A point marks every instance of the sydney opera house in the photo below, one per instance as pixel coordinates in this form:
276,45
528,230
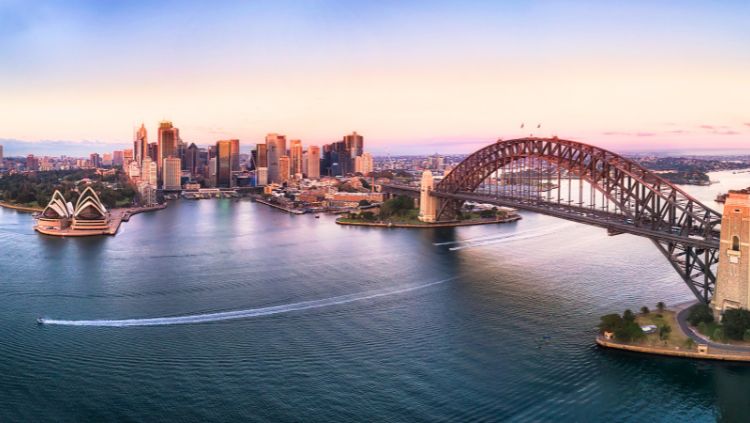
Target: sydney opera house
88,217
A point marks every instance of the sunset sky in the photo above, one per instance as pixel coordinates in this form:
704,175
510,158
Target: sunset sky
410,76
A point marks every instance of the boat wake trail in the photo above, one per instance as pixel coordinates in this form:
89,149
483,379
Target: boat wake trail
239,314
518,236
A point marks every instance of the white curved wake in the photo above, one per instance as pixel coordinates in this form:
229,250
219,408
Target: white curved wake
239,314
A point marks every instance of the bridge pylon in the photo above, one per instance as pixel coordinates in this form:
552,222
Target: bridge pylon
733,279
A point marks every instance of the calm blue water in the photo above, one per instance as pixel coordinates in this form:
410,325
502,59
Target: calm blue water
401,329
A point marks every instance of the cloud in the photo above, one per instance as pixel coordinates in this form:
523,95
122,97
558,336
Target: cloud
747,124
631,134
719,129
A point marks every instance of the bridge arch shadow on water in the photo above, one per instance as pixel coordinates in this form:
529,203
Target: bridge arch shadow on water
590,185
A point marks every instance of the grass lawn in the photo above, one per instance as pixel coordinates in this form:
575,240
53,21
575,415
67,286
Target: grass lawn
676,337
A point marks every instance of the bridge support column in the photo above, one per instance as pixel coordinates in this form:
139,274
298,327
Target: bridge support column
733,280
428,205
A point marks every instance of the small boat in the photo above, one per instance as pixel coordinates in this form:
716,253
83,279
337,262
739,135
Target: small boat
317,216
39,321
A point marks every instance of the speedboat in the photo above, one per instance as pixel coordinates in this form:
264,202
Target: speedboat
39,321
317,216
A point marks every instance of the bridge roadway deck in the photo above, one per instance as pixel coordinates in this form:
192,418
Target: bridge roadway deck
601,218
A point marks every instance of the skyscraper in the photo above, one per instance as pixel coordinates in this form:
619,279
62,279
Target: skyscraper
191,160
140,144
148,171
169,136
153,152
295,155
172,173
224,163
355,144
276,147
262,156
284,169
313,162
234,155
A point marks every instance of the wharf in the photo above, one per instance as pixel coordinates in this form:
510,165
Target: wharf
116,217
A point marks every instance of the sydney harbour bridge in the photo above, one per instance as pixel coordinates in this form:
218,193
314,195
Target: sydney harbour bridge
590,185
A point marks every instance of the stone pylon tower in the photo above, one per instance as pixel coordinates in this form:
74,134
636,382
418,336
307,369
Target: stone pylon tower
733,277
427,204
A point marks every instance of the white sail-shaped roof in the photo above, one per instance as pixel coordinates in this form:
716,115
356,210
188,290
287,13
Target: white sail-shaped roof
89,199
58,208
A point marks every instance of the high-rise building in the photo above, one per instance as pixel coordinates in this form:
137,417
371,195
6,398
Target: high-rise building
127,157
284,169
32,163
355,144
1,157
224,163
172,173
261,176
212,171
363,164
107,159
153,152
117,158
149,171
192,160
313,162
234,155
262,156
140,144
295,156
95,159
276,147
169,137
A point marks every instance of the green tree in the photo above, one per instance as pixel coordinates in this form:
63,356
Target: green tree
364,203
661,306
746,336
736,322
610,322
700,313
718,335
645,310
628,316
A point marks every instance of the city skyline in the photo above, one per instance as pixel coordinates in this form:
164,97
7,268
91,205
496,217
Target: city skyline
449,79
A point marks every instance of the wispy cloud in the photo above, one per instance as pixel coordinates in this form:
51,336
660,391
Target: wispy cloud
631,134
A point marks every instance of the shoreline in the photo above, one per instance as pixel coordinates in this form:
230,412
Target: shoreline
672,352
276,206
24,209
431,225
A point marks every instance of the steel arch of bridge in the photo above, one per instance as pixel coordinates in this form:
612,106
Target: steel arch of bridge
682,228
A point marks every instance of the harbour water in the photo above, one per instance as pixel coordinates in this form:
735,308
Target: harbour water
489,323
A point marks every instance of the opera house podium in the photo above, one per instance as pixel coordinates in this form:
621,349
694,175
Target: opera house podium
88,217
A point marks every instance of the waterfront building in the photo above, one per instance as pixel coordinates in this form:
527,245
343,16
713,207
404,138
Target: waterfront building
140,144
284,169
313,162
427,204
295,156
363,164
89,213
95,159
275,147
261,156
261,176
169,137
172,173
733,276
57,213
147,193
149,171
